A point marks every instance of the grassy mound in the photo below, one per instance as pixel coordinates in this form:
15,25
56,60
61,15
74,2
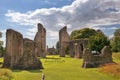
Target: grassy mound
5,74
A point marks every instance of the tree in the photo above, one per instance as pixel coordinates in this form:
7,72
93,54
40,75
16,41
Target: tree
1,43
82,33
115,42
57,46
97,42
1,48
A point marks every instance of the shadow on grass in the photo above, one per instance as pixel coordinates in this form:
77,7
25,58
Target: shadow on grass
32,71
49,58
52,58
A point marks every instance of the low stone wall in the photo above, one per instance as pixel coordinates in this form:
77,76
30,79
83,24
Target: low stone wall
94,60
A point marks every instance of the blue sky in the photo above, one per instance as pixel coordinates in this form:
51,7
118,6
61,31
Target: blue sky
25,6
23,15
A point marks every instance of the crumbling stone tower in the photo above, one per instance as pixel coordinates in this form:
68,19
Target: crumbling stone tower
14,48
20,53
40,41
63,39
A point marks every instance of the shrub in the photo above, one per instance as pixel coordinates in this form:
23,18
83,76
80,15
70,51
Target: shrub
5,74
113,69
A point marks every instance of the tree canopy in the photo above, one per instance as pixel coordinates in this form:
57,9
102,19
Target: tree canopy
1,43
82,33
115,42
98,41
1,48
57,46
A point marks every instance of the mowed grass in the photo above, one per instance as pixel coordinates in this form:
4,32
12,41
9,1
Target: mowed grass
57,68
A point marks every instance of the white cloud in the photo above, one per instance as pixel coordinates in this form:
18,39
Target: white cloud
53,34
3,31
81,13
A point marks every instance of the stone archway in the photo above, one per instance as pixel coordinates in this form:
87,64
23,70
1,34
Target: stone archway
77,47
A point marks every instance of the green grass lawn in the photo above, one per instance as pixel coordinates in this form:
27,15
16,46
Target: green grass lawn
56,68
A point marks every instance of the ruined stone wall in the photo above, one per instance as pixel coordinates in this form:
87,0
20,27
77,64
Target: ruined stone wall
40,41
91,60
63,38
28,60
106,55
20,53
71,49
76,47
14,48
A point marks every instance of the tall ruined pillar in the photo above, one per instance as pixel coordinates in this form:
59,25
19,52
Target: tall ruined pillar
71,49
14,48
40,41
63,38
78,50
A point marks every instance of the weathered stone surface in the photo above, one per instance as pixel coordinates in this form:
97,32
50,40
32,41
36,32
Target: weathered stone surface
78,51
71,49
20,54
106,55
29,60
87,59
14,48
95,60
40,41
75,47
63,39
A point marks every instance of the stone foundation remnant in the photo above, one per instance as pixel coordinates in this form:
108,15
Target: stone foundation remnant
40,41
63,39
20,53
95,60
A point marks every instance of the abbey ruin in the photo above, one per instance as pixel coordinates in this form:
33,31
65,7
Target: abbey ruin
40,41
91,60
78,49
22,53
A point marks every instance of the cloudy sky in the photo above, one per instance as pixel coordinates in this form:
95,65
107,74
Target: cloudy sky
23,16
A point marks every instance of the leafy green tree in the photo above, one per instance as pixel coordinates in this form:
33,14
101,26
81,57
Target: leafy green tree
1,43
115,42
57,46
1,48
97,42
82,33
